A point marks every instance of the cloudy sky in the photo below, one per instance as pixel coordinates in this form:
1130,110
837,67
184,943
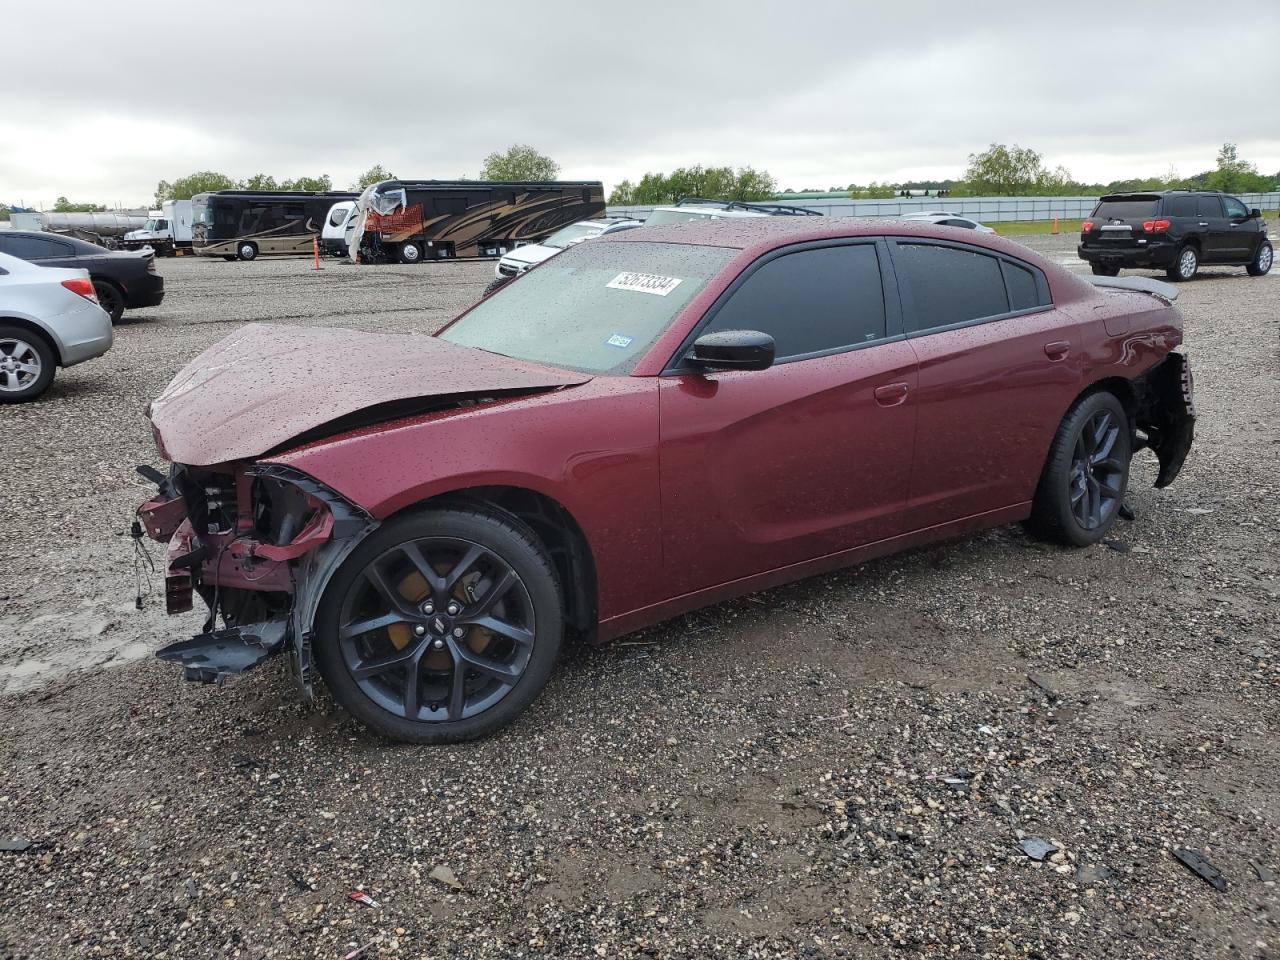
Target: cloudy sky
101,100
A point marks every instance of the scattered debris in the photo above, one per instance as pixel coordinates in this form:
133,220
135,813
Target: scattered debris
1044,686
959,780
1128,513
445,876
987,730
1196,862
359,896
1263,873
1198,511
15,845
1037,849
193,892
359,952
1093,873
1119,546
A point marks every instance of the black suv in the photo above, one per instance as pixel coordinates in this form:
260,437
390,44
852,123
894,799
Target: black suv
121,278
1176,231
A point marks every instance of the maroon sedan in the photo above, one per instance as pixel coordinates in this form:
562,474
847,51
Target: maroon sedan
643,425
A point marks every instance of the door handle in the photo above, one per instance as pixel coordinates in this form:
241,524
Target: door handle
1057,349
891,394
1203,223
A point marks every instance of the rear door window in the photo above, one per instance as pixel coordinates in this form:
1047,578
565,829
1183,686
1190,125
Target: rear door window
949,285
37,248
1208,207
1181,207
811,301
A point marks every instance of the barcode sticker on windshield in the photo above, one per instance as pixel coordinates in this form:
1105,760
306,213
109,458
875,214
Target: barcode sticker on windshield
644,283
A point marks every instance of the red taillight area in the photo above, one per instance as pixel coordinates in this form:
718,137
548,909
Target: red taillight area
1086,226
1155,226
82,286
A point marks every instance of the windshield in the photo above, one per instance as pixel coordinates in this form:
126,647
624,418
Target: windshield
1126,209
201,212
596,307
571,235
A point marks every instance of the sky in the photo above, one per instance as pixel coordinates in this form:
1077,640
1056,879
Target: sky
100,101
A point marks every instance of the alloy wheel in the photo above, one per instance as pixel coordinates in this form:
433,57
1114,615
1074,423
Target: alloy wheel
437,629
1264,258
1096,475
19,365
1187,263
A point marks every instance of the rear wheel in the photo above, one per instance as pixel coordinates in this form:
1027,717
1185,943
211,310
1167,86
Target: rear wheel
410,252
441,626
1185,264
1085,477
247,251
110,299
1103,271
1260,265
27,365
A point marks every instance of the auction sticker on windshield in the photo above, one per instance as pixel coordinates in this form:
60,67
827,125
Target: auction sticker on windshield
644,283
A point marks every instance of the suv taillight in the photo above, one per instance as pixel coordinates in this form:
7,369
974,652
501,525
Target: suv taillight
83,286
1155,226
1086,226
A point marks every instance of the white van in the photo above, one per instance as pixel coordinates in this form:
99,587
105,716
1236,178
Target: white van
333,240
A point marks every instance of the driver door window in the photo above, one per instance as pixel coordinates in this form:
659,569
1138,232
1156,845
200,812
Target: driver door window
812,302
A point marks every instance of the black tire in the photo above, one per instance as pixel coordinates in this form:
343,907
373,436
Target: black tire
1066,489
496,283
247,251
110,299
1100,271
17,344
1185,263
1261,263
351,599
410,252
231,259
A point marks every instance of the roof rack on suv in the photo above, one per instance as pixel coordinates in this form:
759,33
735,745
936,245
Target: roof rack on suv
784,209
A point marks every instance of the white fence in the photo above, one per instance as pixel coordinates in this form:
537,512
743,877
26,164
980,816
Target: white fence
985,209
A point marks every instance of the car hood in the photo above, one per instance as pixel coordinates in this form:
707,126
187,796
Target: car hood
266,385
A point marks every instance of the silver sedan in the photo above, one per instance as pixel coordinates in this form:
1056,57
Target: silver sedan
49,318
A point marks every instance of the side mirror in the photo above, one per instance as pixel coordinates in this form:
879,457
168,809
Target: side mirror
733,350
1255,213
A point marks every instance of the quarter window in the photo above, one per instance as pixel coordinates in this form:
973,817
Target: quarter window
810,301
1024,293
1182,206
949,285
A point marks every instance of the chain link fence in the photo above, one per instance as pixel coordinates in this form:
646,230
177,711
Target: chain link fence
984,209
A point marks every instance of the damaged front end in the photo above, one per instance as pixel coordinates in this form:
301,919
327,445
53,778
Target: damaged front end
257,542
1165,414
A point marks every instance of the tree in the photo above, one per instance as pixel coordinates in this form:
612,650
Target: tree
1003,171
184,188
375,174
624,194
310,184
261,181
520,162
63,205
752,184
1235,175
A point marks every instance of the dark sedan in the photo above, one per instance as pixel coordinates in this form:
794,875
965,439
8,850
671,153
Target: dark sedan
645,424
121,278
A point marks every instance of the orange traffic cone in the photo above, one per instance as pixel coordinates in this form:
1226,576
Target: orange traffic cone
1055,224
315,249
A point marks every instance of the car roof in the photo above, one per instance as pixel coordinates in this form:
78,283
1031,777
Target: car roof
759,233
81,246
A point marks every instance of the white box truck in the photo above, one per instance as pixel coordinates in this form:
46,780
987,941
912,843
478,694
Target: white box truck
167,232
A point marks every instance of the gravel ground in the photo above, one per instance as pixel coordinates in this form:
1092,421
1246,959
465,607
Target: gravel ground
839,768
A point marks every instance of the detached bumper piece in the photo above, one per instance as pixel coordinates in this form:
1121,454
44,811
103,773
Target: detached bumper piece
212,657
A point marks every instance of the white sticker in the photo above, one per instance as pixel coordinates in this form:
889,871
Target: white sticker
618,340
644,283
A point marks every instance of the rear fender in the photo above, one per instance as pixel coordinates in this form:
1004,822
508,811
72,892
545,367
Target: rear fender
1165,412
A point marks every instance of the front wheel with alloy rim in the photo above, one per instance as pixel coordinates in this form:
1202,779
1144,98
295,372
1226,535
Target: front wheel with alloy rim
26,365
110,299
1260,265
1185,264
247,251
1085,477
442,626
